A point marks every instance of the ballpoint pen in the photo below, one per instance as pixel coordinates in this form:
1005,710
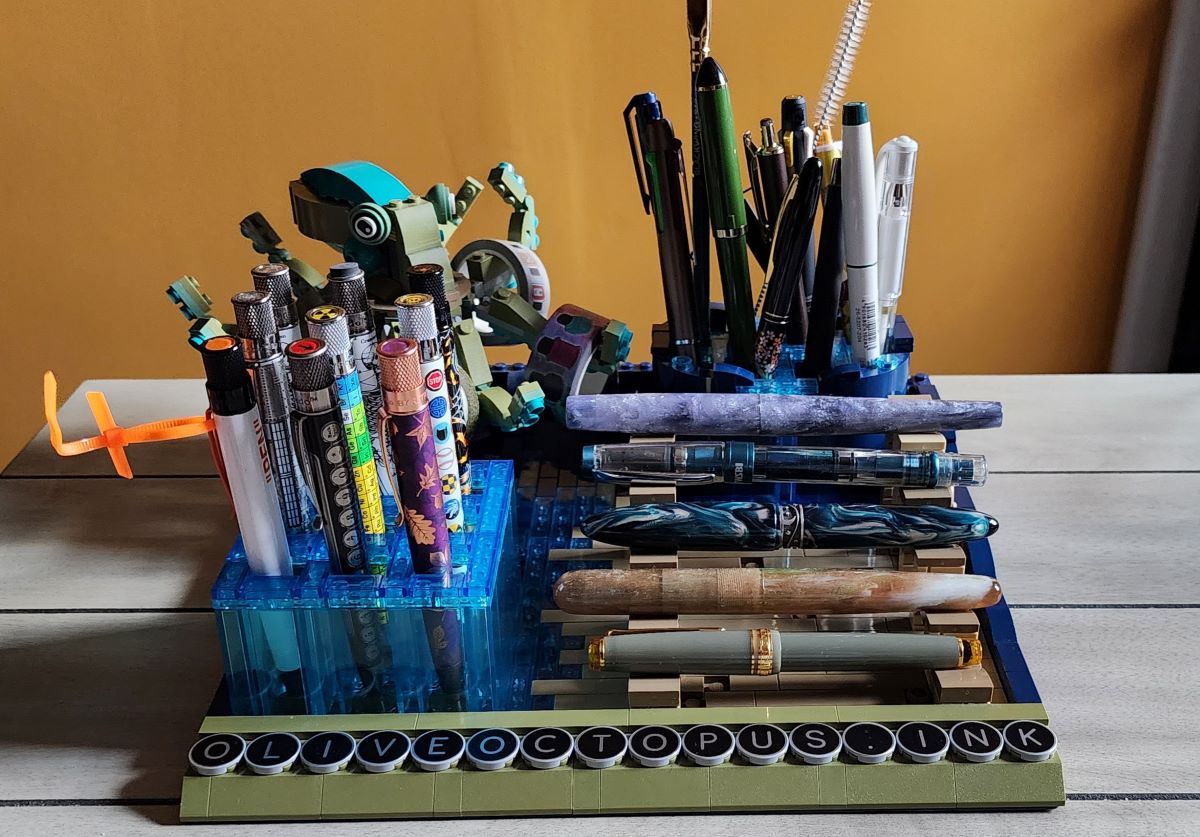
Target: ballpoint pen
276,280
750,590
415,320
259,338
328,323
827,286
860,220
895,170
701,463
325,456
658,163
347,289
746,524
784,272
722,176
767,168
430,279
241,445
797,139
699,21
766,651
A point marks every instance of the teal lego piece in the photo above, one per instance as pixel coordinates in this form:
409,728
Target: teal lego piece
204,328
192,301
356,181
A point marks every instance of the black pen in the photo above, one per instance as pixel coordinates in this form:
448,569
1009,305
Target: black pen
827,289
767,167
787,261
658,163
699,20
797,140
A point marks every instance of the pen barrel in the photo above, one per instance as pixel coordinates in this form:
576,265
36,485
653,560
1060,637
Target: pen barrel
834,526
765,652
657,592
362,348
458,410
433,370
862,284
827,283
773,175
245,453
327,462
723,186
269,376
768,343
410,437
664,166
358,443
852,466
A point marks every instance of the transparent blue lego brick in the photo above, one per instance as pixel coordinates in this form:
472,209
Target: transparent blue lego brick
318,642
785,381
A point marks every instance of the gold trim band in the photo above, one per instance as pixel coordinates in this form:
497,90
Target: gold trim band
595,653
970,653
762,657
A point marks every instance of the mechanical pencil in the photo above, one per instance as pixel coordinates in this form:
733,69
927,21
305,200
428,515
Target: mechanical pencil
428,279
259,339
756,591
701,463
328,324
276,280
415,320
766,651
748,524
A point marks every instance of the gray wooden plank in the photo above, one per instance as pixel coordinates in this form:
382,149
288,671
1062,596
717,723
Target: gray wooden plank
133,401
102,705
1077,819
1095,538
83,543
113,700
1084,422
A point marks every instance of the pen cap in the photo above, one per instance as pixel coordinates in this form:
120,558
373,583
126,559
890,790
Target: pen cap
255,317
400,376
899,160
965,468
855,113
311,365
226,377
415,317
276,280
348,289
431,279
793,114
328,323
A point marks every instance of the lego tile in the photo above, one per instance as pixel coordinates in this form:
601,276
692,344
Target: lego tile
518,719
963,685
900,784
653,692
288,796
945,556
735,715
193,801
831,784
779,786
927,496
920,442
943,713
301,724
585,790
448,793
516,790
397,793
816,713
1010,783
658,789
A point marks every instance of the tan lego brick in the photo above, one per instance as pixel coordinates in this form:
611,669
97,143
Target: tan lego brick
943,558
650,692
928,497
964,685
961,624
920,442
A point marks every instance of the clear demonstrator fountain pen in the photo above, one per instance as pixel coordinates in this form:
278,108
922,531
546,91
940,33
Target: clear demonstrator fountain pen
698,463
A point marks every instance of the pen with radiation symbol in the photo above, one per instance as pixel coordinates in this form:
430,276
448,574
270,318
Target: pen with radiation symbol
268,370
243,451
276,280
405,423
328,323
347,289
326,460
428,279
416,321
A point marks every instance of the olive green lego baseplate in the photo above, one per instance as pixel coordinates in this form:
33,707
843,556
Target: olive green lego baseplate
683,787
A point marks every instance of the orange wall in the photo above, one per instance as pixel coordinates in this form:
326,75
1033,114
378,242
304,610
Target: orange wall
135,136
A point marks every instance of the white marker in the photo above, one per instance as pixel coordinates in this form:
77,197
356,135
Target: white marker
860,223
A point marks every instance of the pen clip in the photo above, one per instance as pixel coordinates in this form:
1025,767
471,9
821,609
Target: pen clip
634,149
653,477
755,176
381,430
304,456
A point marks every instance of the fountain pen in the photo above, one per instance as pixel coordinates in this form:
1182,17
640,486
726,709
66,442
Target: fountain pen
700,463
747,524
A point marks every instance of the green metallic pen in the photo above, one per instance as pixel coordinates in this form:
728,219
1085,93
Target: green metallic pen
723,179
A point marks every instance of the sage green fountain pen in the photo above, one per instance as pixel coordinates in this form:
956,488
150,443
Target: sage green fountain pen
766,651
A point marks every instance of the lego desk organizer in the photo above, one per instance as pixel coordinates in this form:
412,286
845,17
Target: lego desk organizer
467,589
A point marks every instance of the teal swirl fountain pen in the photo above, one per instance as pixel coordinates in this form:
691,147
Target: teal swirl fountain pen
748,524
700,463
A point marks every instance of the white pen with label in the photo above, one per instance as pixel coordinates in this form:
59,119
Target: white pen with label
860,223
242,446
895,171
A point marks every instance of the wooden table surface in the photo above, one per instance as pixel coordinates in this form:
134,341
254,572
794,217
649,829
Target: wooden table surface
108,653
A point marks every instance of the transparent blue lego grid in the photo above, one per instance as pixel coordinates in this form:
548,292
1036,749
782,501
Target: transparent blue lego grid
394,584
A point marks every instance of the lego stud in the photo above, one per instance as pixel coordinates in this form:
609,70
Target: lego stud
370,224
